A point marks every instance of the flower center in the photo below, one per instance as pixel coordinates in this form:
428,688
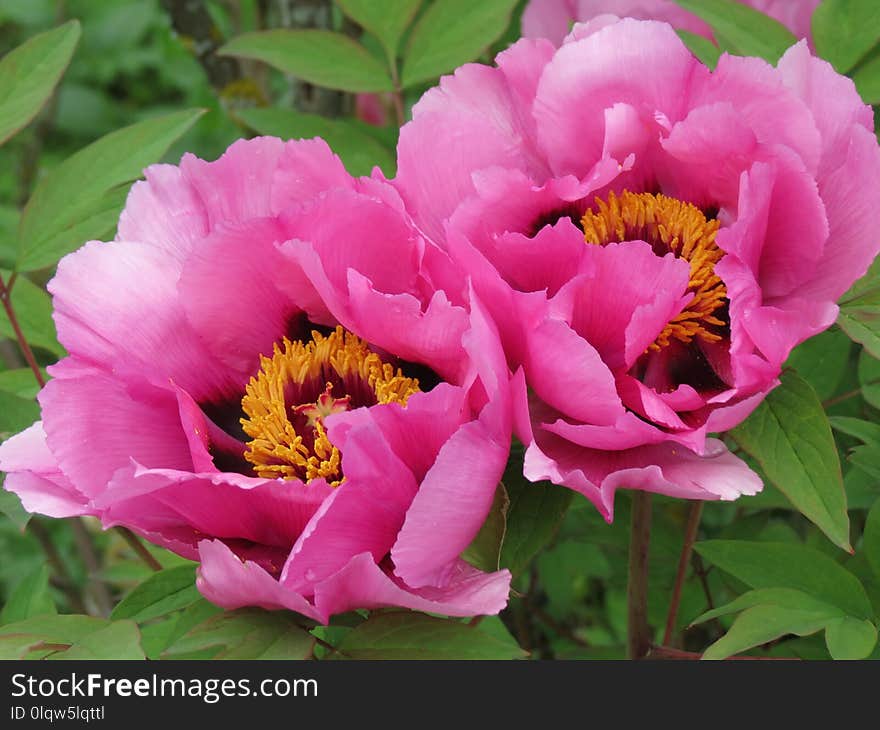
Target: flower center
669,226
302,383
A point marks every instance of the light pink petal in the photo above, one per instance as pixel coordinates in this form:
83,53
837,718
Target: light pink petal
644,65
627,300
96,425
567,372
262,511
664,469
33,474
231,583
362,584
548,19
119,304
230,297
165,211
259,177
363,514
400,324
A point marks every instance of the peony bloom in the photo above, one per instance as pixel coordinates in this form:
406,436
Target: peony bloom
553,18
652,238
263,376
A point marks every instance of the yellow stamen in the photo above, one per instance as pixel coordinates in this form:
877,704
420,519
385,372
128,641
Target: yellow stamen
669,226
289,439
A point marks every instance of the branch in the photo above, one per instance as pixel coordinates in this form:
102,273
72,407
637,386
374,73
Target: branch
6,299
638,631
139,548
690,535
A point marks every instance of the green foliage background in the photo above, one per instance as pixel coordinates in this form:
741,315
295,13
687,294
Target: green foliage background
792,572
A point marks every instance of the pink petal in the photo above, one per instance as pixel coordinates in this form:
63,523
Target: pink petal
362,584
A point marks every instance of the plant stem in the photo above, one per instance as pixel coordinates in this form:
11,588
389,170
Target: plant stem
19,335
65,582
690,535
639,633
139,548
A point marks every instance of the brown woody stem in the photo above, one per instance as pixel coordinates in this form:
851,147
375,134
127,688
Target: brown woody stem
639,633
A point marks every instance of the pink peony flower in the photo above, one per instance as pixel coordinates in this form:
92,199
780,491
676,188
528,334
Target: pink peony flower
552,18
264,376
651,238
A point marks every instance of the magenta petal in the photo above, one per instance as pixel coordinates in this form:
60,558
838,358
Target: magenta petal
33,474
231,583
229,293
362,584
364,513
96,425
120,303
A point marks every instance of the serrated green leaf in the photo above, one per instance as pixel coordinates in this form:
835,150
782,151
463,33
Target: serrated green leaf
783,597
536,511
78,199
29,73
320,57
407,635
790,437
31,597
742,30
760,624
163,592
33,309
485,550
244,634
704,49
358,150
785,565
385,19
845,30
450,33
119,640
850,638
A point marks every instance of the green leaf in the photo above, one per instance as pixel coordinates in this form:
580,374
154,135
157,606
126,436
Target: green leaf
119,640
358,150
245,634
704,49
485,550
163,592
536,511
786,565
866,431
742,30
850,638
845,30
385,19
790,437
21,382
822,361
33,308
867,80
760,624
29,73
16,414
871,538
319,57
29,598
869,378
453,32
406,635
860,307
781,597
81,198
10,505
17,639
